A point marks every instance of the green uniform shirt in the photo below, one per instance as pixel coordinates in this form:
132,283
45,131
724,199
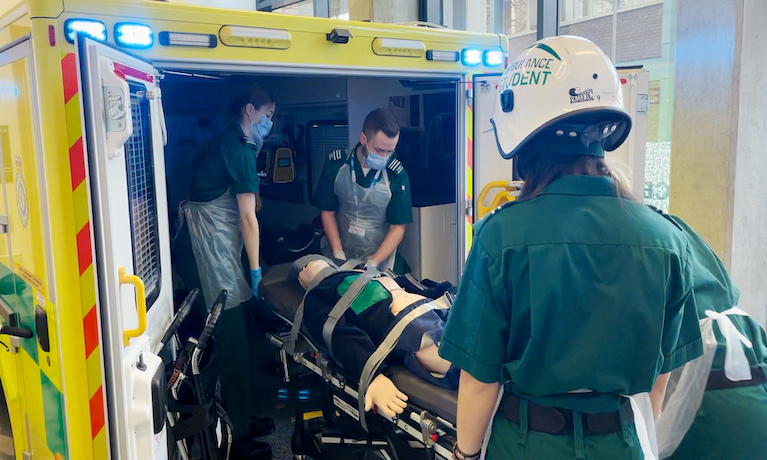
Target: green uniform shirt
714,290
574,290
400,208
228,162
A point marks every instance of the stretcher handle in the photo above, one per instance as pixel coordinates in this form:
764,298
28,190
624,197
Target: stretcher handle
140,305
183,310
210,324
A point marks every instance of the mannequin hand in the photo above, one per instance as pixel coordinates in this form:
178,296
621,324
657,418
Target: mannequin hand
386,396
255,277
339,255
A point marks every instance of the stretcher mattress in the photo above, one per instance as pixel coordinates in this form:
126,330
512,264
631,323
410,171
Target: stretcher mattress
283,292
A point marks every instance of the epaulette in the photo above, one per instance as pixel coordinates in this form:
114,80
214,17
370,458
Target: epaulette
336,155
396,166
665,216
481,223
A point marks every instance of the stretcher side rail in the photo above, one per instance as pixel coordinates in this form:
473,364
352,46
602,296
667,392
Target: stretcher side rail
420,424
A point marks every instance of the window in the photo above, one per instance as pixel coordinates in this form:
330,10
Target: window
636,32
303,8
142,198
512,17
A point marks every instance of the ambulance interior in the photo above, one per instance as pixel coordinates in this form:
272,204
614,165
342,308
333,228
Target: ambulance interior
316,115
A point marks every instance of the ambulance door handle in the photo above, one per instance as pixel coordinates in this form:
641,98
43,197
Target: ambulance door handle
140,305
3,223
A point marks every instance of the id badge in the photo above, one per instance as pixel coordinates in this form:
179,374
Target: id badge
356,230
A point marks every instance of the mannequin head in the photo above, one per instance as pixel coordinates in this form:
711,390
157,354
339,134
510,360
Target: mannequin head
310,271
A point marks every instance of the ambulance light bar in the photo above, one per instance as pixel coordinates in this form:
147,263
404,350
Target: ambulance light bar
187,39
399,47
132,35
492,58
442,55
255,37
87,27
471,57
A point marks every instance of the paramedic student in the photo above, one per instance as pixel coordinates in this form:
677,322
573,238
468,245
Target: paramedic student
221,217
364,194
575,296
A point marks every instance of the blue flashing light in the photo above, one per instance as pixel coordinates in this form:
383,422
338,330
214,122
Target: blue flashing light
493,58
471,57
87,27
132,35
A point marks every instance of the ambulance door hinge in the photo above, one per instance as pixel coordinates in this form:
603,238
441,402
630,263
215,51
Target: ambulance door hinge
469,97
26,455
3,223
470,208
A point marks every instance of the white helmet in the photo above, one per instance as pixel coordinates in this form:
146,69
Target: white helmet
564,87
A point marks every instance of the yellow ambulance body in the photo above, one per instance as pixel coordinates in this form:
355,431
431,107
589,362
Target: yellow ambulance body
70,219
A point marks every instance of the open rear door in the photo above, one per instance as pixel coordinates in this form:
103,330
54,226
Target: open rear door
629,158
125,139
491,173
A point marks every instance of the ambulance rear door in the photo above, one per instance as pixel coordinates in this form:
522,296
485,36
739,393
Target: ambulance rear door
125,132
490,170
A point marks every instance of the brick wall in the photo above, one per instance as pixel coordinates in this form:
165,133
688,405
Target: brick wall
520,43
640,33
598,30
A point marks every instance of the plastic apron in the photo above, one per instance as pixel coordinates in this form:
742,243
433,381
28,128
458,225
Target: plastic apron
362,213
216,234
689,383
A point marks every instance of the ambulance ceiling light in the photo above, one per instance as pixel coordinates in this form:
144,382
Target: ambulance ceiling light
471,57
493,58
399,47
87,27
187,39
132,35
255,37
443,55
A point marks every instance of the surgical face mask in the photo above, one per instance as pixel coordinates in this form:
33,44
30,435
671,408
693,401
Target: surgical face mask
261,129
376,161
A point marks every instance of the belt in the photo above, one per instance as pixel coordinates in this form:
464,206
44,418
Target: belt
717,380
552,420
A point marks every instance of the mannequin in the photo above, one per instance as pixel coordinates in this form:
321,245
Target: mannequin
366,323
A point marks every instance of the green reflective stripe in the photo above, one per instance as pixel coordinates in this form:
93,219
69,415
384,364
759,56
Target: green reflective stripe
18,294
370,295
53,409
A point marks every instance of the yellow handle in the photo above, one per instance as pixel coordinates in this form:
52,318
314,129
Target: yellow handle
503,197
140,305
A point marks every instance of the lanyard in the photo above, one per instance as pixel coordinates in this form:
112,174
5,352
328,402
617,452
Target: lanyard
354,171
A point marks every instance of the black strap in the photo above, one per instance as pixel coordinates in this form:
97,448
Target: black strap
200,418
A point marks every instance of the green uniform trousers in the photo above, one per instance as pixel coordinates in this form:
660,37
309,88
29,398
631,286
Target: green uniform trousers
731,424
509,442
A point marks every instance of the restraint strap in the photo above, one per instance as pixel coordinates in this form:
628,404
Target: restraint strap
302,262
290,347
383,350
342,305
350,264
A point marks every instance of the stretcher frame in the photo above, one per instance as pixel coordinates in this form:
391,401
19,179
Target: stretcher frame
428,430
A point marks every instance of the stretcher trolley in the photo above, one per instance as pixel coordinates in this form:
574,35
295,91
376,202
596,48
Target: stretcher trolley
426,429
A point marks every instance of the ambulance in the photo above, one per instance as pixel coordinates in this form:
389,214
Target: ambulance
103,106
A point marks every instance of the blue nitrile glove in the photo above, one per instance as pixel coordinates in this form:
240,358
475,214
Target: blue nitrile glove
255,277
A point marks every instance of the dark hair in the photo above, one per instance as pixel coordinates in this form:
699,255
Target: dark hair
381,120
253,94
539,169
